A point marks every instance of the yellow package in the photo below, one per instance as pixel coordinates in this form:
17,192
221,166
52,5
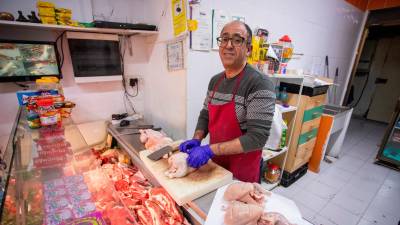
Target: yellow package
45,4
49,79
46,11
74,23
48,20
63,19
46,15
63,10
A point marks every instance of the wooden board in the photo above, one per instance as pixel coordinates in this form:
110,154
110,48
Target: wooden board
183,190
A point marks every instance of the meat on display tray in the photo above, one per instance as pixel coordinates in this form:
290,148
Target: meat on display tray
117,191
97,184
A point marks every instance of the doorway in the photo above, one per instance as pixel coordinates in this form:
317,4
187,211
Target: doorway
374,87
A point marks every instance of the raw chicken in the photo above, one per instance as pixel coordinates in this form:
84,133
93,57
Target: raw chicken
273,218
250,193
178,166
239,213
153,140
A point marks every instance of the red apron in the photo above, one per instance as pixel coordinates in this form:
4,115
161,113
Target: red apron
224,126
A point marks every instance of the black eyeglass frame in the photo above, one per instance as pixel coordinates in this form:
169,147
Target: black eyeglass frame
243,40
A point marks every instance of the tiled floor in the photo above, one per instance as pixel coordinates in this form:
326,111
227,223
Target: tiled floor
351,190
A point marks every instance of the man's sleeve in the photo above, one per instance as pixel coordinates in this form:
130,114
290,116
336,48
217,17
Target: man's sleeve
202,122
260,105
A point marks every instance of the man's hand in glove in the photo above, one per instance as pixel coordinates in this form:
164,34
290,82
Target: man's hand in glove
199,156
189,144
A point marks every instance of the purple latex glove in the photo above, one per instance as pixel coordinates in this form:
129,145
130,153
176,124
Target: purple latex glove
186,145
199,156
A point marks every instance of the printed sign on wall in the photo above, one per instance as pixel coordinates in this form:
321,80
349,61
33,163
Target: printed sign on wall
179,16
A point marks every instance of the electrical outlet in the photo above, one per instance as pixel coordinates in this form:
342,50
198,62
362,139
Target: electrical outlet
133,82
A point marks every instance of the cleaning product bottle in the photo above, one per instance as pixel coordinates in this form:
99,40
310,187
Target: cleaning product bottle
284,135
277,93
284,97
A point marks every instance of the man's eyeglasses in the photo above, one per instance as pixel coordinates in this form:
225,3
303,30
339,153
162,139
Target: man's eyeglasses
236,41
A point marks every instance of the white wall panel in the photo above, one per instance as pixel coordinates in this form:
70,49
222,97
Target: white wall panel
317,28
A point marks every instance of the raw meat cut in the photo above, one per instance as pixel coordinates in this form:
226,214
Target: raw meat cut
165,201
250,193
178,166
273,218
156,213
239,213
144,215
150,206
118,215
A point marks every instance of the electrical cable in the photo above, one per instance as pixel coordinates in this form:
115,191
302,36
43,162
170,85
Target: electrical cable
61,56
21,85
122,50
366,82
362,92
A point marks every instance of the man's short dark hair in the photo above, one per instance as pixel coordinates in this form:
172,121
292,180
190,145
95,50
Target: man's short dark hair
248,29
249,33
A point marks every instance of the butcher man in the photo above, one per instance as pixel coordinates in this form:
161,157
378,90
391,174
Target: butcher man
237,111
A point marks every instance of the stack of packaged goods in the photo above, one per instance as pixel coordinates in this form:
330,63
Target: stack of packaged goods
50,14
53,150
47,12
64,16
46,104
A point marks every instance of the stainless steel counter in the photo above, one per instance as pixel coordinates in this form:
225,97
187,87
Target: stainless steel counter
197,209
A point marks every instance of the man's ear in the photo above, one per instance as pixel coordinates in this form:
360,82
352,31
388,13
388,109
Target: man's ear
249,49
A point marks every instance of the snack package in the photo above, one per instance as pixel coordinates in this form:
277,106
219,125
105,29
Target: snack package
83,208
59,216
78,197
56,204
55,194
45,4
52,162
94,218
53,184
77,179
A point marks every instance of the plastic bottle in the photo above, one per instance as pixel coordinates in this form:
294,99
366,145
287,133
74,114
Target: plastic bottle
284,97
277,93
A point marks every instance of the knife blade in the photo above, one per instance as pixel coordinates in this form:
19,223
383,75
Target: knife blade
136,132
137,127
158,154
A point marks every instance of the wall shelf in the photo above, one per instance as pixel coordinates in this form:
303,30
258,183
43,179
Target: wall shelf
287,109
286,76
268,154
53,27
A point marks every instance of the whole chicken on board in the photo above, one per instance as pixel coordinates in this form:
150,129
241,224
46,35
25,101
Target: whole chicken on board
178,166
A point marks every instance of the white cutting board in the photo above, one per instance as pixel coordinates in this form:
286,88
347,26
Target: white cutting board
274,203
196,184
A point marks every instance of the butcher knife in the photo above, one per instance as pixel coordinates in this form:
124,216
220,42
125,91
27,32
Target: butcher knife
137,127
158,154
136,132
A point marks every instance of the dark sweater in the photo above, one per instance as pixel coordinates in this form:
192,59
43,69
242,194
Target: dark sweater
254,105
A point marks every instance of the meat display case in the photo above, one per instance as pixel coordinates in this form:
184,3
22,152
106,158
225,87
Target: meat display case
32,184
